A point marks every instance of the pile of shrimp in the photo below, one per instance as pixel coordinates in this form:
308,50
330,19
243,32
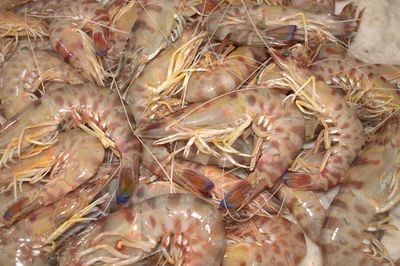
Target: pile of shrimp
193,132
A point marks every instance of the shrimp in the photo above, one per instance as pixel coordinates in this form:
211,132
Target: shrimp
72,161
364,86
273,241
73,44
186,229
261,25
343,133
161,74
160,23
226,76
24,73
96,110
279,129
31,238
372,188
15,25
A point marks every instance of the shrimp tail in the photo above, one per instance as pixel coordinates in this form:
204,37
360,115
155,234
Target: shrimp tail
285,33
303,181
195,179
128,178
236,196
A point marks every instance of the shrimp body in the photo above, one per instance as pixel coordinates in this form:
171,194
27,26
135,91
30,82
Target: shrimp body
28,240
72,161
226,76
100,109
269,241
23,74
69,40
274,25
371,189
187,229
343,129
279,127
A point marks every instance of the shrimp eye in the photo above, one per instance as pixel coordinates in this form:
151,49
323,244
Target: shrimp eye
287,53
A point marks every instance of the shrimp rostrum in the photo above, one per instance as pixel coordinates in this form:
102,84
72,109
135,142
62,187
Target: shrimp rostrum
278,127
185,229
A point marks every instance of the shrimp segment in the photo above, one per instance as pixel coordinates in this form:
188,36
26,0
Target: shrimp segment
372,188
73,44
72,161
270,241
226,76
342,127
96,110
186,229
262,25
279,129
23,74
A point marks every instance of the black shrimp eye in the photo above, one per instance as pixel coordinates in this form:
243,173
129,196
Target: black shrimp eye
286,53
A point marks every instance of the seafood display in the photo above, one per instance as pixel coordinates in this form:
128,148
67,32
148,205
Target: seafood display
201,132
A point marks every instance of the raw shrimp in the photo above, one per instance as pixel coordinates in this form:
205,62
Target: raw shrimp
71,162
15,25
372,188
279,128
273,241
225,76
365,87
24,73
343,133
160,23
186,229
97,110
73,44
29,240
262,25
144,94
